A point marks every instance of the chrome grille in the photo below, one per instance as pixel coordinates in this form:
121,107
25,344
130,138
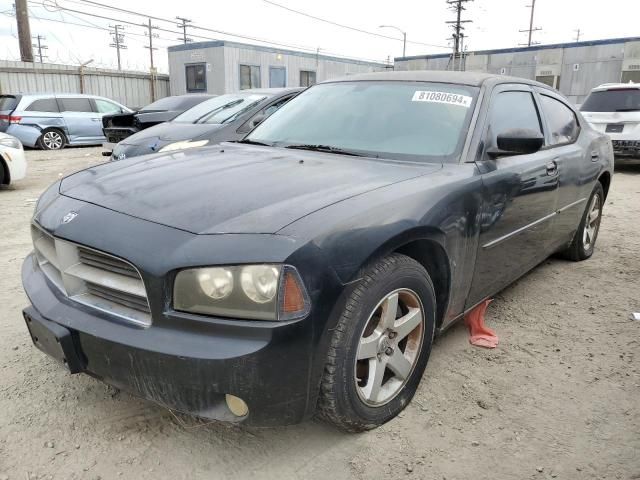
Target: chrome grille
92,278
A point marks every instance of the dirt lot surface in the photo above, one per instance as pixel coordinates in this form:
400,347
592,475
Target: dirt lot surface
559,398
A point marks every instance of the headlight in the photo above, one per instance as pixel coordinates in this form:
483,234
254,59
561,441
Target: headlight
10,142
258,292
183,145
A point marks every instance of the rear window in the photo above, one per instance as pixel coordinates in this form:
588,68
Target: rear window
177,103
8,102
618,100
43,105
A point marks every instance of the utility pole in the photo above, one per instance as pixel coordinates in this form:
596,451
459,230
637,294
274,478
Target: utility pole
24,31
118,41
530,30
578,34
458,28
152,69
40,47
183,26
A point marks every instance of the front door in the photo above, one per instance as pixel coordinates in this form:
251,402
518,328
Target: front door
519,197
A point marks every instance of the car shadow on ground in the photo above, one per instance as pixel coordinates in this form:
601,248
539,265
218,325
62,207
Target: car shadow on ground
627,165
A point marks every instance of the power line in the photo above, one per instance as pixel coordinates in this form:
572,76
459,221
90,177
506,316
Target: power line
530,30
183,26
355,29
458,29
118,41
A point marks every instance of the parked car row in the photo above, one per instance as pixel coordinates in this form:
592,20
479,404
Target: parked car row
305,269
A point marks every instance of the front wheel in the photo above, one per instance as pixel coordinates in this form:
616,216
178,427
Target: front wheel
380,346
584,242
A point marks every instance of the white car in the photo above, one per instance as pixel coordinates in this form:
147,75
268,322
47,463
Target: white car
614,109
13,165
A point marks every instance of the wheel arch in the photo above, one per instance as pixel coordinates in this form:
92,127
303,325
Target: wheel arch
426,246
5,178
605,180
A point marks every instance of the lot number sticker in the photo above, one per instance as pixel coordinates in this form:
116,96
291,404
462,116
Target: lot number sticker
442,97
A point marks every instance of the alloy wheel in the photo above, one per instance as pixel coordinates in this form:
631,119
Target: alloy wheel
389,347
592,223
52,140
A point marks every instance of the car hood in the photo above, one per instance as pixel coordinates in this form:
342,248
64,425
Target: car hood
233,188
170,132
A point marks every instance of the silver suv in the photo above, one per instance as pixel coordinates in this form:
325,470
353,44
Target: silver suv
51,121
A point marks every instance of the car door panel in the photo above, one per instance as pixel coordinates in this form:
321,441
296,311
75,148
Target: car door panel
83,123
519,202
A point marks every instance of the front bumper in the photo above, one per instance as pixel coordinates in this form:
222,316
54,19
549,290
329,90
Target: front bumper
186,371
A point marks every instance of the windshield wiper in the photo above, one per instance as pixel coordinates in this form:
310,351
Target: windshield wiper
253,142
325,149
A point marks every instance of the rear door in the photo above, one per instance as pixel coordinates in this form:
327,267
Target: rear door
520,196
573,159
83,123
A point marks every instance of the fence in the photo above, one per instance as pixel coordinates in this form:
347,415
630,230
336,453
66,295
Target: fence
133,89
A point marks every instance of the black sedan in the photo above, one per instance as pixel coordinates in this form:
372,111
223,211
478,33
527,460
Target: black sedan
122,125
307,269
225,118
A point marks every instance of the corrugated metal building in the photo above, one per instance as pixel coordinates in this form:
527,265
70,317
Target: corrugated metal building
129,88
224,67
573,68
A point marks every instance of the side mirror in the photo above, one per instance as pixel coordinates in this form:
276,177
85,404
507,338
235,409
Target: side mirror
517,141
257,120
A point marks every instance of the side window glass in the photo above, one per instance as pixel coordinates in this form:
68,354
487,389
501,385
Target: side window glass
107,107
44,105
512,110
561,119
76,105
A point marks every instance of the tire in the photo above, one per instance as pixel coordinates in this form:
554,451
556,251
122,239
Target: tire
584,241
349,395
52,139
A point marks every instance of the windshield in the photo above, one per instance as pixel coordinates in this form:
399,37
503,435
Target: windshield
220,109
183,102
618,100
415,121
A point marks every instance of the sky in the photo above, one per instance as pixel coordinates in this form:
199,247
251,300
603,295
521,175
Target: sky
74,38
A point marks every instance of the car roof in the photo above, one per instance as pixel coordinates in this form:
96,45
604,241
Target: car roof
474,79
58,95
615,86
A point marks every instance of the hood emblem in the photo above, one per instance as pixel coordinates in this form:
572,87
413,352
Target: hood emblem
69,217
122,156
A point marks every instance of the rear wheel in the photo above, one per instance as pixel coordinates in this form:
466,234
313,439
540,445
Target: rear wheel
380,346
52,139
584,242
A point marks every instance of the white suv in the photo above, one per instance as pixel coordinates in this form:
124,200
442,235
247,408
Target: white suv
614,109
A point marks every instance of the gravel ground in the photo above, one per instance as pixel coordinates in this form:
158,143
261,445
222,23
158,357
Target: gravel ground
559,398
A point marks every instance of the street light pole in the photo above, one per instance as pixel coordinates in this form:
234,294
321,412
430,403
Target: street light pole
404,38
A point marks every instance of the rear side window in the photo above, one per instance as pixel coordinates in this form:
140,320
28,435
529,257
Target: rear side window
8,102
75,105
617,100
561,119
44,105
513,110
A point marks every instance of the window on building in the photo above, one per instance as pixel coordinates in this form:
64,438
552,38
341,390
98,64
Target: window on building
307,78
551,80
631,76
75,105
107,107
277,77
196,77
44,105
511,110
249,76
561,119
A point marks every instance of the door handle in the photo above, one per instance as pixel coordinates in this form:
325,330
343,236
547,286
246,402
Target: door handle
552,168
95,119
595,155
